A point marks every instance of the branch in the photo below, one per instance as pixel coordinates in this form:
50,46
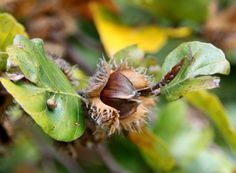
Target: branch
107,158
76,58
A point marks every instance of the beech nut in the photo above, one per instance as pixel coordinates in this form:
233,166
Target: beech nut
113,98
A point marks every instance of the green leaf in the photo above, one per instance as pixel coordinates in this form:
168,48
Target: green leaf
155,151
64,122
190,143
131,53
211,161
200,61
9,28
186,142
137,58
120,148
180,10
213,108
171,120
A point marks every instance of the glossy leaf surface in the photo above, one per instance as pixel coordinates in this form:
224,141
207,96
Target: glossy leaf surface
200,61
44,81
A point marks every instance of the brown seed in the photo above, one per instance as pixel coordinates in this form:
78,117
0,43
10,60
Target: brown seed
120,94
113,100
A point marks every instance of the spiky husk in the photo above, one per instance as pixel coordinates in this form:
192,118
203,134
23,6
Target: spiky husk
106,117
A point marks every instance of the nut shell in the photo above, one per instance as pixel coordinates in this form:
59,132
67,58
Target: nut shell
113,100
120,93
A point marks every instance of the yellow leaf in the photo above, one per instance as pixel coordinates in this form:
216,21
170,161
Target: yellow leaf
154,150
178,32
116,36
9,28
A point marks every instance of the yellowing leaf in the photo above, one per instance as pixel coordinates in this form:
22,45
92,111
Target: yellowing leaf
154,150
116,36
177,32
213,108
9,28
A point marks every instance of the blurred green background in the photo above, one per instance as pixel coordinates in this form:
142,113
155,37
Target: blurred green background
195,134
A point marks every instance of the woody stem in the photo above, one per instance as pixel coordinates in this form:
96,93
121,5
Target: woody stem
155,89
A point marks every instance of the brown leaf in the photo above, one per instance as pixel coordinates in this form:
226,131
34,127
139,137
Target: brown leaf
220,26
81,7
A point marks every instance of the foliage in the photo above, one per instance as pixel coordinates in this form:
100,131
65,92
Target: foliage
154,150
44,113
201,60
149,38
178,11
213,108
65,121
9,28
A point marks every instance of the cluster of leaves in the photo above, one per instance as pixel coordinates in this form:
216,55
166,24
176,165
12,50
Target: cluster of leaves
178,139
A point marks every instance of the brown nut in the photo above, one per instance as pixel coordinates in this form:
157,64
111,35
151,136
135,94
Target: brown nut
113,100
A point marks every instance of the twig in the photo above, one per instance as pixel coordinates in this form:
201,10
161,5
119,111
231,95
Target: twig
109,160
49,150
87,41
76,58
155,89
